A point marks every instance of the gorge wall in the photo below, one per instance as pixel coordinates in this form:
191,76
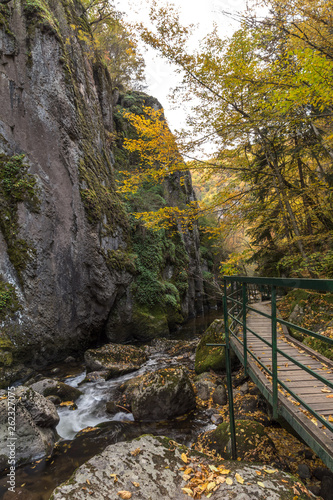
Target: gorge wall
73,264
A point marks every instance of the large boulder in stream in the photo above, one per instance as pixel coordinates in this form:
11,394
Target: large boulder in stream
212,358
50,387
163,394
151,468
116,359
35,422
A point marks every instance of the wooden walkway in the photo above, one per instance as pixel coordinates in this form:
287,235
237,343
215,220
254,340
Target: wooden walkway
313,392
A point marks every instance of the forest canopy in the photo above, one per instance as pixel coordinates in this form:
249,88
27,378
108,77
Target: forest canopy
264,96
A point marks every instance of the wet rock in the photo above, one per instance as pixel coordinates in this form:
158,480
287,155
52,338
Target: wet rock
11,374
162,395
244,388
216,419
41,409
315,489
220,395
320,472
93,376
213,358
204,389
70,359
50,387
54,399
117,359
35,421
326,488
154,466
303,471
250,439
111,408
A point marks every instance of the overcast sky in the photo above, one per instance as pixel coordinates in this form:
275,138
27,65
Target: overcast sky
159,74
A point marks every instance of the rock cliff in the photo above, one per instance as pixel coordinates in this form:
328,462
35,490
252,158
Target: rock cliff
71,259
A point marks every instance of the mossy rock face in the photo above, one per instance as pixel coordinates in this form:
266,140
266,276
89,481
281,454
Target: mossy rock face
212,358
161,395
148,325
117,359
251,439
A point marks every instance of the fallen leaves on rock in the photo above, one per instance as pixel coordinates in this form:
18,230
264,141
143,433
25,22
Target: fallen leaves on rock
125,495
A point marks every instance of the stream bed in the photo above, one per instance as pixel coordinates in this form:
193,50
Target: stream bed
80,439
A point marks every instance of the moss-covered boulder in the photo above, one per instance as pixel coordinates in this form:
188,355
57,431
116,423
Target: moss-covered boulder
252,441
149,324
50,387
117,359
212,358
161,395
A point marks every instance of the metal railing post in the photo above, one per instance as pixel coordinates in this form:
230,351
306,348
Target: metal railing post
229,380
274,354
244,300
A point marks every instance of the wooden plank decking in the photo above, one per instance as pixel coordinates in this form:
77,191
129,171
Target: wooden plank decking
303,384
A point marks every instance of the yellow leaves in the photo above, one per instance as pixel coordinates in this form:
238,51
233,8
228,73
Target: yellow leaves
224,471
188,491
137,485
184,458
330,418
325,390
115,479
135,452
239,478
260,483
229,481
210,486
124,495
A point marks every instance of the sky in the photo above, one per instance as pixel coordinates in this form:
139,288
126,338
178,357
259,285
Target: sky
160,75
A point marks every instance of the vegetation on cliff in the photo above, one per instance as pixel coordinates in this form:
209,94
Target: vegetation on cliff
265,98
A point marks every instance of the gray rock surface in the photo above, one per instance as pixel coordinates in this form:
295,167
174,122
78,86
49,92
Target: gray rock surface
220,395
162,395
56,109
116,359
50,387
150,468
35,421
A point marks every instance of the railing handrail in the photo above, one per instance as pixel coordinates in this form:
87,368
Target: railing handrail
324,285
241,300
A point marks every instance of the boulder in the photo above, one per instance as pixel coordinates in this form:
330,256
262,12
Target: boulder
35,422
117,359
251,441
212,358
50,387
41,409
151,468
220,395
205,385
163,394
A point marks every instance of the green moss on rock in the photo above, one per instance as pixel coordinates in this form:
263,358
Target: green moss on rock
212,358
9,303
251,439
16,186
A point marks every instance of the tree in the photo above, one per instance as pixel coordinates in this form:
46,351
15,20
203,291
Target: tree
265,96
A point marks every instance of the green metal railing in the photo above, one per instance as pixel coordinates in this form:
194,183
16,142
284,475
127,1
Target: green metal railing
239,292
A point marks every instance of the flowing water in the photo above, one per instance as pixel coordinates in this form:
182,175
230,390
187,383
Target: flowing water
79,437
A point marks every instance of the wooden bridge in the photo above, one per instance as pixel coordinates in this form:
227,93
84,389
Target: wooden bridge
296,380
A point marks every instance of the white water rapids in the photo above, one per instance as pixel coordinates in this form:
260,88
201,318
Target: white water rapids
91,405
